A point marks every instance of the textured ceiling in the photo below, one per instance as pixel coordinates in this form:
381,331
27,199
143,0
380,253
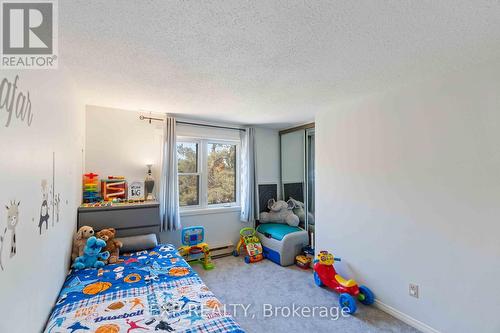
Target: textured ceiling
265,62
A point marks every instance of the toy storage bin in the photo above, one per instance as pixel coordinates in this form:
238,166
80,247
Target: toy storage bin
281,242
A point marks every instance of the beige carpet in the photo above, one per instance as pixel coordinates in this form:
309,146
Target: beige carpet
254,285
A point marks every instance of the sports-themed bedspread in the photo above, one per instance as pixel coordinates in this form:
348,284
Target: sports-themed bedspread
152,290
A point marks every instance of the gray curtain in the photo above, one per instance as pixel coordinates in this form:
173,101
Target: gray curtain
169,186
247,175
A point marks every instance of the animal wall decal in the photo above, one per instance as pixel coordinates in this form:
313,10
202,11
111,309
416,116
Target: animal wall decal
57,207
50,208
56,197
52,188
12,222
1,248
44,209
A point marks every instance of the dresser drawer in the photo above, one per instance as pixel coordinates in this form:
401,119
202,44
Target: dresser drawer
127,220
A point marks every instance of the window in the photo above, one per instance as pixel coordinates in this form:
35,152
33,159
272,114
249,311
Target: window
221,173
208,173
189,175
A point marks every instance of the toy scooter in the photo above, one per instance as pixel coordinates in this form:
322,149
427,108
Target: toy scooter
325,274
252,246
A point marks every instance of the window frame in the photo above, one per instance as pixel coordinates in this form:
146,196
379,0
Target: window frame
237,174
198,173
203,174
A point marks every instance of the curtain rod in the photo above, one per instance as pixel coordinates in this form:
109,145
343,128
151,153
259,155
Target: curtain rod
141,117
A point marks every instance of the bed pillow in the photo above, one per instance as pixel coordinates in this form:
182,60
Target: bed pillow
138,243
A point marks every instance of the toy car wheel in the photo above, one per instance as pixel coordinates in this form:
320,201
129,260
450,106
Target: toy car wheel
247,259
347,303
317,280
366,296
235,253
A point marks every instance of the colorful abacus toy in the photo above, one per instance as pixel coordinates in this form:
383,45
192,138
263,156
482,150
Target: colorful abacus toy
90,188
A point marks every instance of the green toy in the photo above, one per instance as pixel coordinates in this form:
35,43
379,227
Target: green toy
252,245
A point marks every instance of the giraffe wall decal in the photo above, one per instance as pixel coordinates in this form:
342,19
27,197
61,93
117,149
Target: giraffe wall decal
12,222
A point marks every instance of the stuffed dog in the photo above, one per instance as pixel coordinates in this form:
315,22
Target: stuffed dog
79,241
92,255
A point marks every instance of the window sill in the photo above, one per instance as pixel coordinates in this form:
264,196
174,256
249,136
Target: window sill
205,211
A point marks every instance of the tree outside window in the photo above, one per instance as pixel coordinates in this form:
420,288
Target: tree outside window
208,172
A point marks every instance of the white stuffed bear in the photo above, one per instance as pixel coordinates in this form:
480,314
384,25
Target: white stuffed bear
280,212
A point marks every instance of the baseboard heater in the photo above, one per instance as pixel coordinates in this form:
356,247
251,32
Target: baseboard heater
222,251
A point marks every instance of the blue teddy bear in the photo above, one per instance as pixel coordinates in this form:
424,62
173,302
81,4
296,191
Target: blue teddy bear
91,254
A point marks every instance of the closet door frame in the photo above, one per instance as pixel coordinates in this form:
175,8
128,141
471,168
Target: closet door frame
306,129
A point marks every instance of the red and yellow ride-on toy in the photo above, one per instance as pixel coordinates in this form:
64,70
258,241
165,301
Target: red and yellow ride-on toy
325,275
252,245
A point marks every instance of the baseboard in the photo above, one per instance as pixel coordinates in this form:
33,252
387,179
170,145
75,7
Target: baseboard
221,251
405,318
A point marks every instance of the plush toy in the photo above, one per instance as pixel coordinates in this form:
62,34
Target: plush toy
112,245
80,240
299,210
92,254
280,212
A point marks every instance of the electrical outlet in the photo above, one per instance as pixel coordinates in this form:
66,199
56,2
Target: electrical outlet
413,290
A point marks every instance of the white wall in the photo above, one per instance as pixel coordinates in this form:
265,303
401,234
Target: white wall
118,143
33,277
408,190
221,228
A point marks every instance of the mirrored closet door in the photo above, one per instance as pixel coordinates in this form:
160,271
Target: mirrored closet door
297,172
310,179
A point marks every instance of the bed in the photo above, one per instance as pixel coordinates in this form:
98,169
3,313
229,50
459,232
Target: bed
151,290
